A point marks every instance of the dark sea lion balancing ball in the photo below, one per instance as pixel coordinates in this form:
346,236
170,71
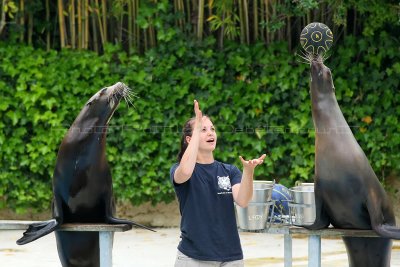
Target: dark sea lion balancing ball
316,38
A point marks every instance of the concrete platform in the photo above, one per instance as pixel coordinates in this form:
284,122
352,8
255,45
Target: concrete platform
147,249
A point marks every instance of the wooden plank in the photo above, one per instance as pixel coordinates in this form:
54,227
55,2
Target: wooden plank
334,232
95,227
329,232
14,224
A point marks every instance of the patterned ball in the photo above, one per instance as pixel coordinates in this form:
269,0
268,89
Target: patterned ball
316,38
282,197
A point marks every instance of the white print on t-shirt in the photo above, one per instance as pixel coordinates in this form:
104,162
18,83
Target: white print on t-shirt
224,183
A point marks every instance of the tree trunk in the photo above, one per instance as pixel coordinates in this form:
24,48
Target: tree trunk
48,43
200,20
104,13
72,25
21,20
30,27
246,20
61,23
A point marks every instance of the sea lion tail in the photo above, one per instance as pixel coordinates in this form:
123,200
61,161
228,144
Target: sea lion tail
142,226
113,220
37,230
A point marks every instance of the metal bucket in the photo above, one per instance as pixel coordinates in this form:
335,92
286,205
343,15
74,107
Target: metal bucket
302,209
262,191
255,215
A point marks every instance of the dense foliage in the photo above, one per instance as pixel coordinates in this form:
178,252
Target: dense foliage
139,25
257,97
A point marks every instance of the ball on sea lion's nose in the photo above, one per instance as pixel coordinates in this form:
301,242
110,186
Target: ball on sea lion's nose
316,38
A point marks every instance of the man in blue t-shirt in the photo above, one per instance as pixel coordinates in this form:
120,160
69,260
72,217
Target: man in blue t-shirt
206,190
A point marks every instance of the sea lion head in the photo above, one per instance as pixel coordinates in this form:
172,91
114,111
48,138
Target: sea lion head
98,110
103,104
321,78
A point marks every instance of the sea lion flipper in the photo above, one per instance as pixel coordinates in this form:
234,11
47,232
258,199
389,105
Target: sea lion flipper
113,220
37,230
388,231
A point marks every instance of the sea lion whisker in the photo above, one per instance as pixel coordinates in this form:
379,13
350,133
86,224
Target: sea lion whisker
127,89
320,58
307,55
128,94
304,60
304,57
130,103
326,56
130,97
312,56
127,100
120,90
133,95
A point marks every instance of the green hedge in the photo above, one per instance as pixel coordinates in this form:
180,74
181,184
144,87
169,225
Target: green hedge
257,96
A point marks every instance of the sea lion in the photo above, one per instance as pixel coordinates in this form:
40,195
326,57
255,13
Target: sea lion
348,194
82,182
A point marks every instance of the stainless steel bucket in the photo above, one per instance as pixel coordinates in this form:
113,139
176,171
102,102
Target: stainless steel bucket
262,191
255,215
302,209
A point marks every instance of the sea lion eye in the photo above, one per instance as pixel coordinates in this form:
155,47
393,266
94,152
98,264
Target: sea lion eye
103,91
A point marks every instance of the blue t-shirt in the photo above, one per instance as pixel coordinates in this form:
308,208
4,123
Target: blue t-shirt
208,224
